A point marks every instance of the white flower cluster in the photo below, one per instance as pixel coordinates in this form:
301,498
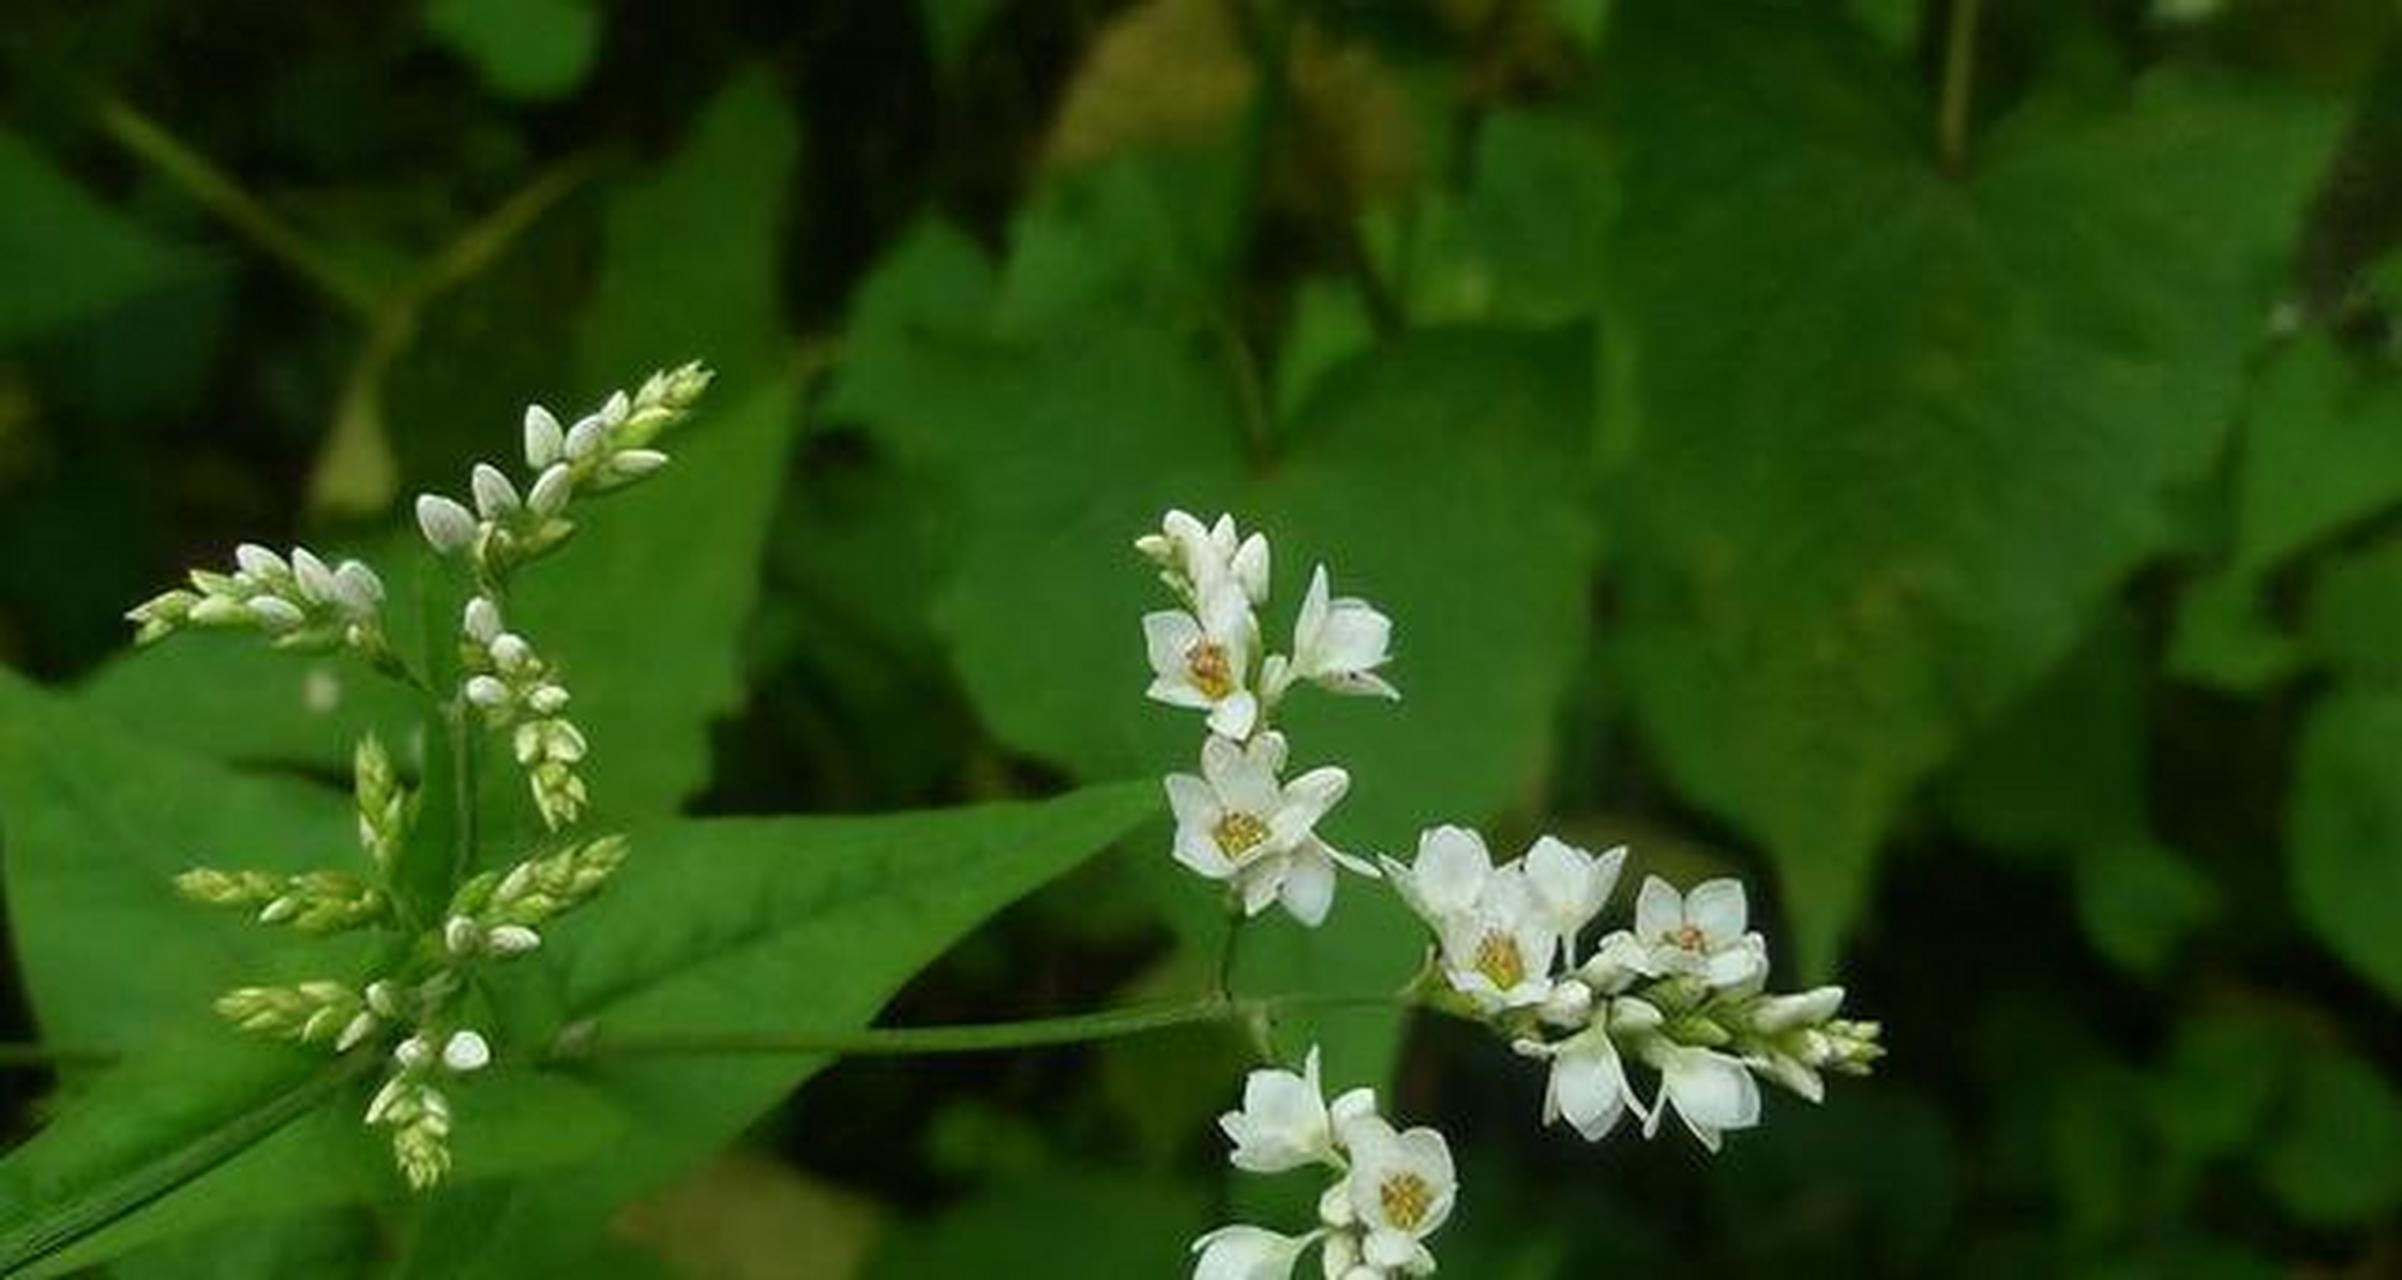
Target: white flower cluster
1390,1189
299,602
1238,822
1681,992
493,916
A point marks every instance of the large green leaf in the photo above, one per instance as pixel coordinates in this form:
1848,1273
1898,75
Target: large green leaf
1435,476
2343,830
1900,431
66,256
751,925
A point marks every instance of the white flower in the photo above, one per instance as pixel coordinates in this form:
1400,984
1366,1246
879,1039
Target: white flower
1337,645
1709,1091
1237,822
1588,1086
1204,661
1497,943
466,1051
1570,885
1401,1188
545,439
1701,935
1285,1122
495,497
1248,1253
1195,558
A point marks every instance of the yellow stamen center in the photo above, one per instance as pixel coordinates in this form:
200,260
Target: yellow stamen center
1406,1198
1211,673
1238,834
1688,936
1497,958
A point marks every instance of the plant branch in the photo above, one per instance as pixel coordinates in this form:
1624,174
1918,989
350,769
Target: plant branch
984,1037
245,213
1959,83
22,1054
464,740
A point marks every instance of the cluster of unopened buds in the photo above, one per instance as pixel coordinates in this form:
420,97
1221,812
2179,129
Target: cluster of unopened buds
1682,992
418,1006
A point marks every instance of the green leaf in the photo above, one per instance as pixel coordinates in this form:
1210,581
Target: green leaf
2355,613
1123,1227
1900,433
1065,443
2140,900
530,49
2343,831
2321,450
752,925
2332,1157
69,258
2214,1091
951,28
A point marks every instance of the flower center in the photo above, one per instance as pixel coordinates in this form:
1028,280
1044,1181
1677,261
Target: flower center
1212,675
1688,936
1498,958
1406,1198
1238,834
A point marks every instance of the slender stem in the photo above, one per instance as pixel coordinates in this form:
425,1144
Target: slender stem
1959,82
1226,954
463,744
222,196
55,1055
986,1037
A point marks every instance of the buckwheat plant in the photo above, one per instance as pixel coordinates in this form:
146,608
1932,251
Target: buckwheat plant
415,1007
1682,992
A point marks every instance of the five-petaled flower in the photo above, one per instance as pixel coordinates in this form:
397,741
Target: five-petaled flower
1238,823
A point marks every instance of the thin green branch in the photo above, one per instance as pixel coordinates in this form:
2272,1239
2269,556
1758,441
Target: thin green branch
23,1054
986,1037
464,742
1959,84
245,213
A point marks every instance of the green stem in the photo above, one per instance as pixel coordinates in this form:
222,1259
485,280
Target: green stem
1959,82
1226,954
464,741
222,196
986,1037
55,1055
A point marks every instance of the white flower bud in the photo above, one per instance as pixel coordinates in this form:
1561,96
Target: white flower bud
466,1052
259,562
360,1027
481,621
513,940
316,580
357,589
487,691
585,438
615,409
218,611
547,699
276,613
447,525
384,998
414,1053
545,440
495,497
461,936
510,652
551,490
633,464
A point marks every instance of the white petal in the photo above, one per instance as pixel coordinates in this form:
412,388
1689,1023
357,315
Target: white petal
446,524
1563,879
316,580
1234,716
1251,568
1308,889
1355,637
552,489
1590,1085
1247,1253
1310,623
1261,880
1716,907
1659,910
1710,1089
1192,801
495,497
1169,634
1452,868
466,1051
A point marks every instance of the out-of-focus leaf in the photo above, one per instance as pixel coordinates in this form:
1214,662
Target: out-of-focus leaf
2330,1159
2063,767
2321,449
1122,1227
532,49
66,256
2343,831
1882,1165
1077,438
2214,1091
751,925
952,26
2138,901
1900,431
2354,623
2222,638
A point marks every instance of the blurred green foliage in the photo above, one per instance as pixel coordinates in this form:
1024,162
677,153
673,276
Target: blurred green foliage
1940,460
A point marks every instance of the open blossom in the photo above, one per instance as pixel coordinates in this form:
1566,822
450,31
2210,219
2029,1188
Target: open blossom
1391,1190
1237,822
1702,934
1337,645
1710,1091
1588,1087
1203,659
1498,930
